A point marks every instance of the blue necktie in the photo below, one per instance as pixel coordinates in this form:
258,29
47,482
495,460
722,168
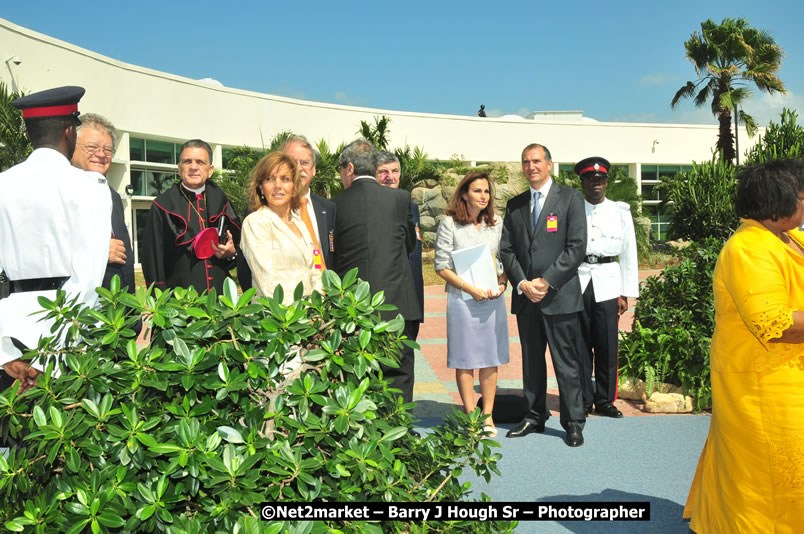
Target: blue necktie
536,208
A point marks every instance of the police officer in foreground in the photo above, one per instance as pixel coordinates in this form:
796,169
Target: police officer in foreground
54,229
608,275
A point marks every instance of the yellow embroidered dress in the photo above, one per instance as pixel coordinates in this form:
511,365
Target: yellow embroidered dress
750,477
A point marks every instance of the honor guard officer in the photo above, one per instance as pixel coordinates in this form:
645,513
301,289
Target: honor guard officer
609,275
54,228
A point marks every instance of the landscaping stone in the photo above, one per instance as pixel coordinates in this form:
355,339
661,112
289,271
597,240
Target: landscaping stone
668,403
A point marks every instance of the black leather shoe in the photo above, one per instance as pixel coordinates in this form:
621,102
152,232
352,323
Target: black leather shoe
574,437
524,428
609,410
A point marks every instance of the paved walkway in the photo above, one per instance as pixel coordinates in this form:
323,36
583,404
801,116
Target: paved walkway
648,459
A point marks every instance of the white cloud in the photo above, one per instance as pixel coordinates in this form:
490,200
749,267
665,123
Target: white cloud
658,79
765,108
343,98
762,106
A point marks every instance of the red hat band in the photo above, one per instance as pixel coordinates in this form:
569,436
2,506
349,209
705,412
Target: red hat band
49,111
595,168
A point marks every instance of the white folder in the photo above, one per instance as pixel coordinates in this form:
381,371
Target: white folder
476,266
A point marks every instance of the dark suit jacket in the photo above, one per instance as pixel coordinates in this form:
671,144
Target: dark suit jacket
374,232
325,219
554,256
120,231
415,260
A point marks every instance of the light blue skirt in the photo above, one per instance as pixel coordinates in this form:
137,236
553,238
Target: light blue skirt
477,333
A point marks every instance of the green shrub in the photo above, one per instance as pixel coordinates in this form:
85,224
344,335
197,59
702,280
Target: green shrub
194,431
784,140
702,201
673,325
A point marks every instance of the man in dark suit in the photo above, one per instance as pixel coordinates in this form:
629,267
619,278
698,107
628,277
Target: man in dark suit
374,231
389,171
543,243
318,213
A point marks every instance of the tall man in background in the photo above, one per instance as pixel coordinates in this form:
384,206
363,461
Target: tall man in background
388,173
543,243
54,229
171,255
374,232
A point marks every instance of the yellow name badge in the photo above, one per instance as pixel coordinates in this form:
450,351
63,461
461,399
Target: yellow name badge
317,263
552,223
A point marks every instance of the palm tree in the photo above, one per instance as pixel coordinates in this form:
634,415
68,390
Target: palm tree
728,58
377,134
14,144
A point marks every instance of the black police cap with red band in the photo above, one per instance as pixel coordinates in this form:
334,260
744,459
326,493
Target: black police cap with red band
57,102
594,166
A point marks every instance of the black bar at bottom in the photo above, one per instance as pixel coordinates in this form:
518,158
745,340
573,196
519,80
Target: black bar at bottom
456,511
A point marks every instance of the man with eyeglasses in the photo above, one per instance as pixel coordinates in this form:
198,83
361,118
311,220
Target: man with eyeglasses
95,147
54,229
389,172
317,212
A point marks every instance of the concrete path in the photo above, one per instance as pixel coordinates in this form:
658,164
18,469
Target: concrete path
637,458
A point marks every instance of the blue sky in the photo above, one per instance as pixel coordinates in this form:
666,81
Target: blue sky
616,61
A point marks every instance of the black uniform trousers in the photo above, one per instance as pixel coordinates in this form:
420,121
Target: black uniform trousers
598,348
560,332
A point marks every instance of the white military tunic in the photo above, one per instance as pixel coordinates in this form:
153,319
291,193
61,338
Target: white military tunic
55,220
610,232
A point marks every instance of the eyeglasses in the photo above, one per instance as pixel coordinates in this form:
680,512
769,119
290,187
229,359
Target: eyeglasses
342,165
306,163
94,149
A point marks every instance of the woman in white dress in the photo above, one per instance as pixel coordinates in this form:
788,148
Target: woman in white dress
477,329
275,241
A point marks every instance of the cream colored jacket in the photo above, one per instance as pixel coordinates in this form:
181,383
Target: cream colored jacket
276,256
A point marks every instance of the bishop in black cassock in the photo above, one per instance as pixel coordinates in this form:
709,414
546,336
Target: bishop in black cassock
177,216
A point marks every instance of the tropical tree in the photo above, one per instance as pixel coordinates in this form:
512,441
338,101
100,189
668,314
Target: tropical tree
327,181
14,144
377,134
730,57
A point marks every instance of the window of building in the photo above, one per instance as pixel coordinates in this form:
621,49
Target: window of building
659,222
150,183
652,197
152,151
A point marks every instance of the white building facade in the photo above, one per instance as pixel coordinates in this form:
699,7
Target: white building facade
156,112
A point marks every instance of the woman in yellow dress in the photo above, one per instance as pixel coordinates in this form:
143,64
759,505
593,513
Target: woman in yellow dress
750,477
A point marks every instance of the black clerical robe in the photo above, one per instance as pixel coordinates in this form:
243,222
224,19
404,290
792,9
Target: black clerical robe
176,217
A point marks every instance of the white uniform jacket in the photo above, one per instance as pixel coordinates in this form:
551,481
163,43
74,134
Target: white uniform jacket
610,232
55,220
